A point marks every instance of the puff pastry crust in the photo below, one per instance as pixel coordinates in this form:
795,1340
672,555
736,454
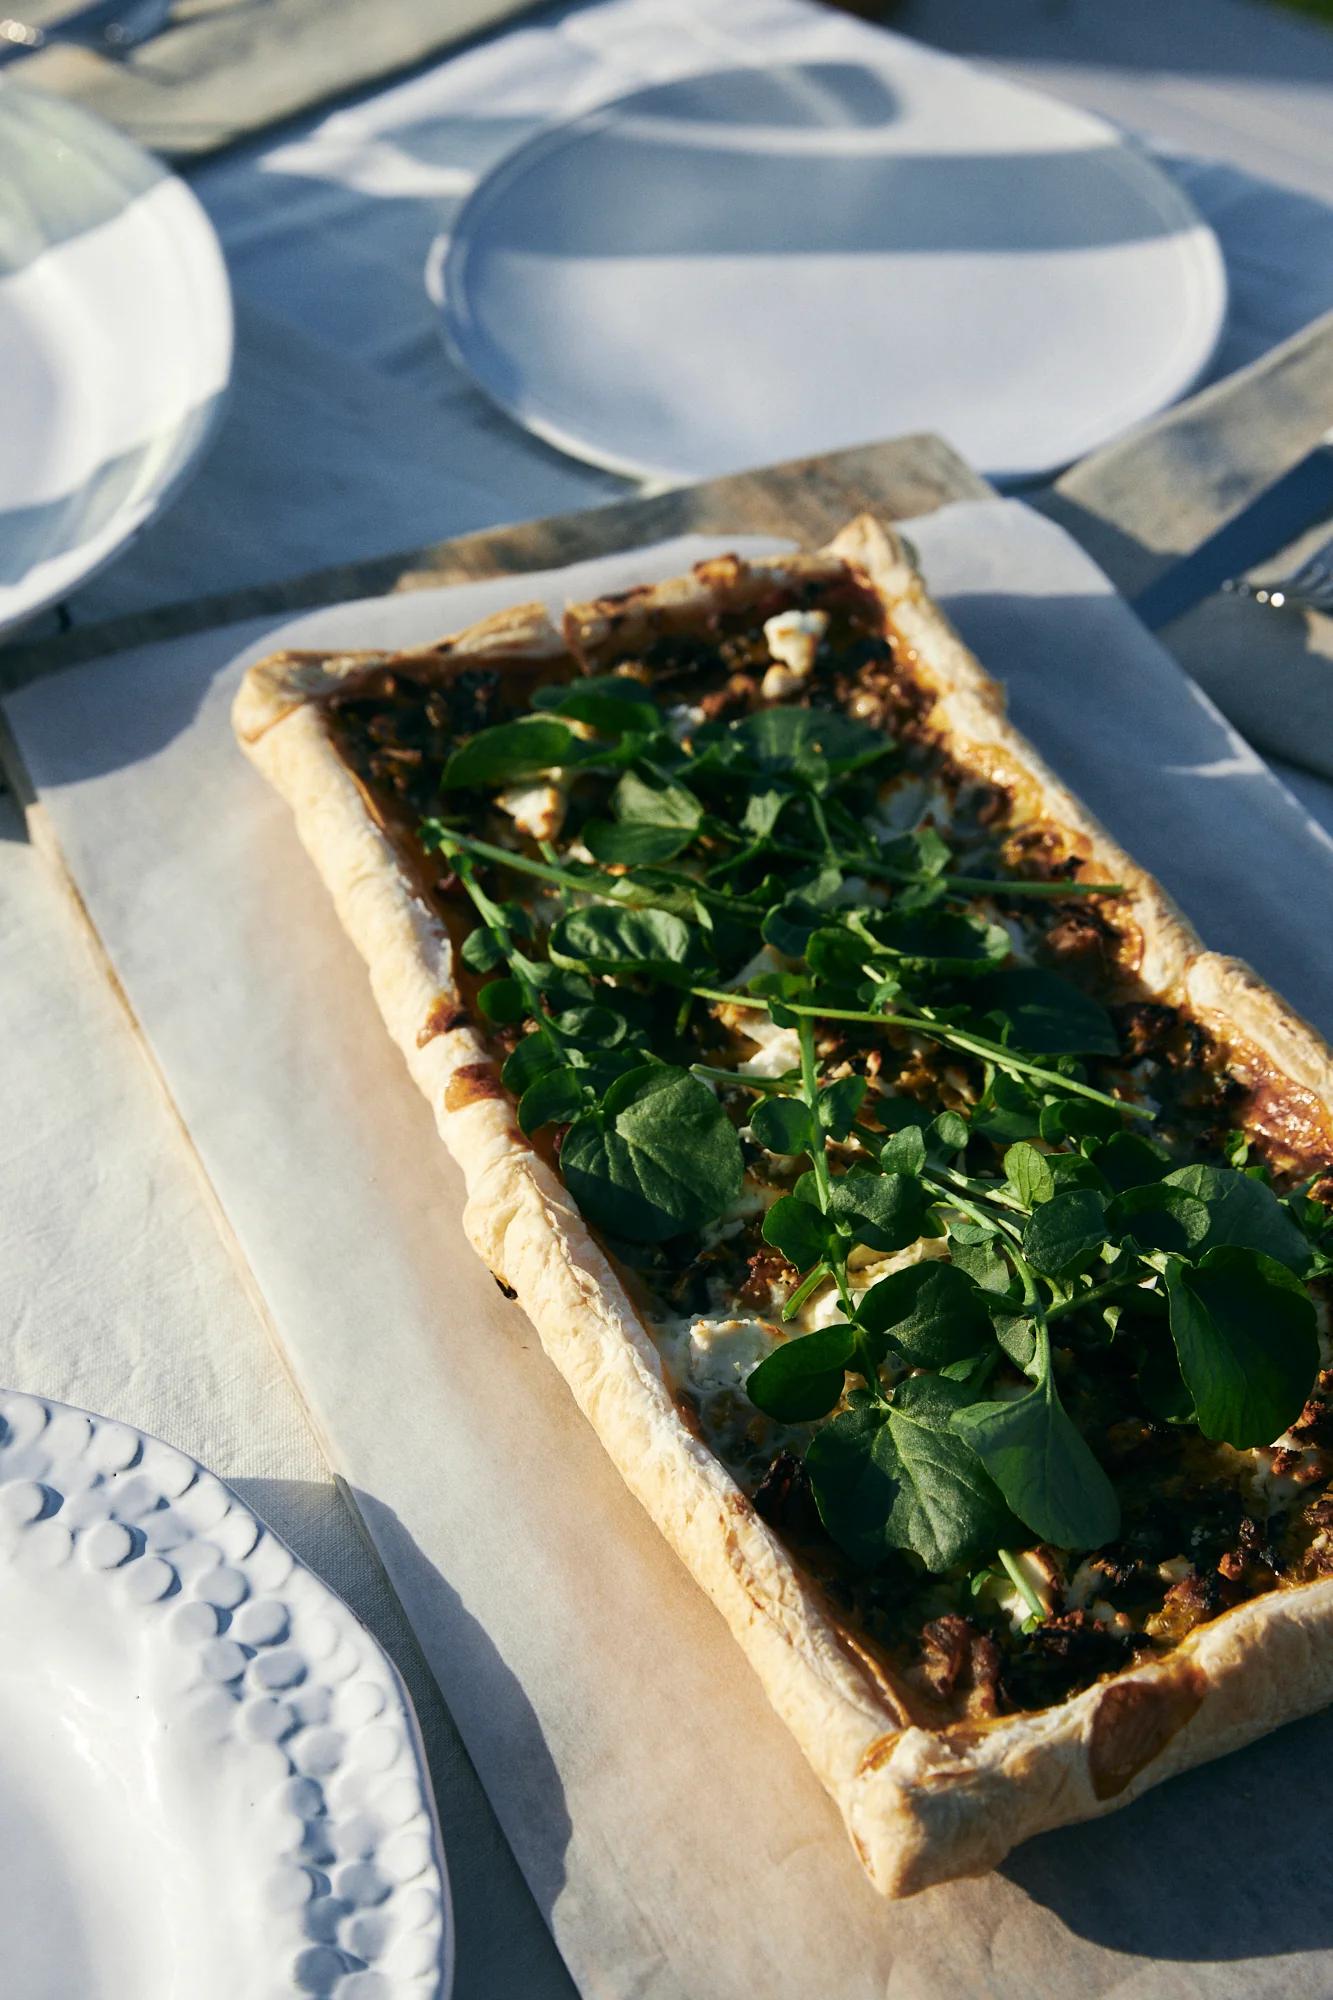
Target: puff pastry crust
921,1805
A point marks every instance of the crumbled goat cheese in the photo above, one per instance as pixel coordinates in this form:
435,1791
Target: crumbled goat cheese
537,810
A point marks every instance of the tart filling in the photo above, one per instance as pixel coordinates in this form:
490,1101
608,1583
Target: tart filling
996,1283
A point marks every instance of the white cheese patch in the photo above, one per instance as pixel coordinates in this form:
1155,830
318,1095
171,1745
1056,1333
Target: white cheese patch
710,1355
537,810
793,639
779,1050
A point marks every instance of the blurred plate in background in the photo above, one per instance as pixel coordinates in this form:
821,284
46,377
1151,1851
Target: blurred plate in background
757,264
115,344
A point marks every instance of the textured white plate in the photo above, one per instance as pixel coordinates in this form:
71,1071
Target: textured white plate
115,344
211,1784
759,263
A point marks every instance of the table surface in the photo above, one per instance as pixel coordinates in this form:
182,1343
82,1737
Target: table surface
350,434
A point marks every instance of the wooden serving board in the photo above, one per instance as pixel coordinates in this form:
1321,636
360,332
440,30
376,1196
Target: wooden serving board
805,499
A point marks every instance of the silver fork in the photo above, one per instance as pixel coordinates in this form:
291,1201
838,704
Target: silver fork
113,26
1309,587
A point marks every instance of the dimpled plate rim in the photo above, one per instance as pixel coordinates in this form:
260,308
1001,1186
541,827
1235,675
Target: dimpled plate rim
266,1663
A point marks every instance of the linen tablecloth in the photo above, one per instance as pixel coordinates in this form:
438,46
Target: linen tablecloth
352,434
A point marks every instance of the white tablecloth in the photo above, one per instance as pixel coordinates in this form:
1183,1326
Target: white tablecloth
351,434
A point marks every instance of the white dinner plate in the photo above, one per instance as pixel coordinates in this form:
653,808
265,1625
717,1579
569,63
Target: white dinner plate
756,264
115,344
211,1783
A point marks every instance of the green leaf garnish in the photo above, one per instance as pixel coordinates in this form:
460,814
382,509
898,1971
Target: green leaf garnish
932,1312
659,1156
803,1378
1243,1213
898,1477
1042,1464
1244,1330
1065,1233
510,752
1046,1014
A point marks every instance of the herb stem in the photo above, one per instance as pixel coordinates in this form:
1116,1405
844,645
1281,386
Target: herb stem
818,1157
494,919
1034,1603
1094,1294
967,885
763,1086
625,892
553,859
970,1209
951,1037
809,1283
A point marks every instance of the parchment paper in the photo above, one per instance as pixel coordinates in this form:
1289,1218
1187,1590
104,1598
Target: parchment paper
663,1818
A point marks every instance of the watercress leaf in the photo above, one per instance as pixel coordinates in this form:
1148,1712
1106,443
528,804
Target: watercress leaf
612,714
1063,1236
835,955
1157,1217
1046,1014
1128,1160
803,1378
1071,1170
947,1509
882,1482
885,1211
1008,1109
1018,1337
1162,1386
1028,1174
943,939
512,750
590,1026
782,1125
634,842
799,1230
904,1151
503,1001
971,1371
531,1059
600,1067
656,805
481,950
763,810
852,1465
1044,1467
922,852
785,739
553,1099
983,1263
788,928
606,938
1244,1330
659,1157
1243,1213
838,1104
1075,1118
932,1312
559,696
949,1133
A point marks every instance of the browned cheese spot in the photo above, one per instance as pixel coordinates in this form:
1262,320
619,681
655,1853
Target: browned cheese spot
443,1016
470,1083
1134,1722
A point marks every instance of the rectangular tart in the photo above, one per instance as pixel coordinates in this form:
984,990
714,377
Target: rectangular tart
756,740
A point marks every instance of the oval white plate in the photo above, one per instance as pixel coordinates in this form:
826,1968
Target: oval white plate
211,1782
757,264
115,344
